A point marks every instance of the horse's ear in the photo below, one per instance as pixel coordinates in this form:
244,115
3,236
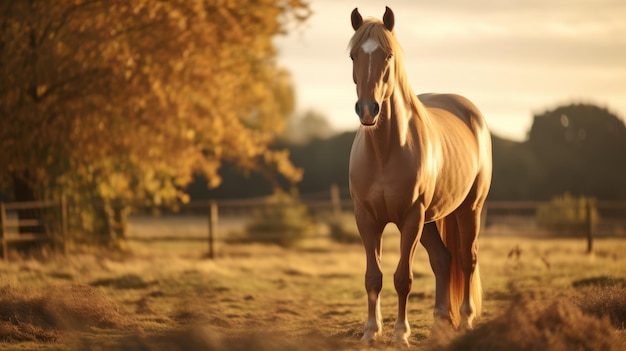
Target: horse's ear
388,19
356,19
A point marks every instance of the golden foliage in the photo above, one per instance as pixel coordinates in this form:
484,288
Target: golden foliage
134,97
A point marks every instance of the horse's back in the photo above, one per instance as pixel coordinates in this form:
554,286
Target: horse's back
458,106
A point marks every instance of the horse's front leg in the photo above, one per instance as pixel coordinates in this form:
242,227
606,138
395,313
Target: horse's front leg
410,231
371,235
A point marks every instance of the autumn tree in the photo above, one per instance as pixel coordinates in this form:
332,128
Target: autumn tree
115,102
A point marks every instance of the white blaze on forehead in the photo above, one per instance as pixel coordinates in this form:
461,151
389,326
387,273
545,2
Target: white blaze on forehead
369,46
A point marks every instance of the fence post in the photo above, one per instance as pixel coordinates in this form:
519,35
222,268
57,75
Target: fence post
590,223
212,228
64,223
335,199
3,233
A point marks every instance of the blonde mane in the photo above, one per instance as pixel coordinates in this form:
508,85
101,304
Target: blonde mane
373,28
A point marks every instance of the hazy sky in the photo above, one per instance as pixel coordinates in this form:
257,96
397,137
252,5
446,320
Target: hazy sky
512,58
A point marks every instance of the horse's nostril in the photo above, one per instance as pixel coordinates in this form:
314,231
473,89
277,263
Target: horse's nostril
357,108
375,108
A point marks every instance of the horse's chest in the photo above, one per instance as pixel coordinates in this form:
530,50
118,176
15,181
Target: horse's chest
385,192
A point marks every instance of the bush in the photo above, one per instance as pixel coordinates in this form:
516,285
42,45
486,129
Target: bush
567,214
283,221
342,228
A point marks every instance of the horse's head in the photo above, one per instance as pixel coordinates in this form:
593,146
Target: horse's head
372,51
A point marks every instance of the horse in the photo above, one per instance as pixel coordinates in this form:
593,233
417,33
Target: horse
423,163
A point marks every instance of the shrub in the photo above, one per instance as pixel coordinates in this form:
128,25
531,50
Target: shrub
567,214
342,228
283,221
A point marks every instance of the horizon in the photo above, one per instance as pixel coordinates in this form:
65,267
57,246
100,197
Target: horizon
514,60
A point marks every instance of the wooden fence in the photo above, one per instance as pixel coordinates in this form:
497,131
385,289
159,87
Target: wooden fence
521,216
15,228
599,217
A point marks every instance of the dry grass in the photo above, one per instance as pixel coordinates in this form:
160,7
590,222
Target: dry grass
534,324
207,339
169,297
42,315
608,301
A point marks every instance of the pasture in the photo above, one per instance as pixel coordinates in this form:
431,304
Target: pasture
539,293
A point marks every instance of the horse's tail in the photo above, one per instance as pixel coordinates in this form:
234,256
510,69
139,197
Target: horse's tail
449,229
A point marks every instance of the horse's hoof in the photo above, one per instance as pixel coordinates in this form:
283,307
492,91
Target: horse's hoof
442,322
369,338
465,325
401,343
443,331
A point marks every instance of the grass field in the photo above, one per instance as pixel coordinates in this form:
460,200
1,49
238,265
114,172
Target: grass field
539,294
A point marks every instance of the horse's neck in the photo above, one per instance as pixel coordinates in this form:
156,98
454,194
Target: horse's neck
396,128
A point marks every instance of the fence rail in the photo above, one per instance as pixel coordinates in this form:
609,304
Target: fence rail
518,214
15,229
521,215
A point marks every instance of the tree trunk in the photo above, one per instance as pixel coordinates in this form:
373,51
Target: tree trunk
110,223
119,220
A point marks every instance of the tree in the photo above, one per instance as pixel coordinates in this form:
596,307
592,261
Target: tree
115,102
515,170
578,149
325,162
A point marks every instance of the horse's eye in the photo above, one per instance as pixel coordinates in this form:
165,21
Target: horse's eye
351,57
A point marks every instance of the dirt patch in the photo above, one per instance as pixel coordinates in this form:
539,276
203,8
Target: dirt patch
126,281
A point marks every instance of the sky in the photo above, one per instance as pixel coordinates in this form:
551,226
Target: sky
512,58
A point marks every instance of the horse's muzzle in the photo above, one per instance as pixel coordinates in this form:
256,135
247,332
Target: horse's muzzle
367,112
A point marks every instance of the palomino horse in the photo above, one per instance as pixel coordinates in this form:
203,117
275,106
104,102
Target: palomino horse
424,164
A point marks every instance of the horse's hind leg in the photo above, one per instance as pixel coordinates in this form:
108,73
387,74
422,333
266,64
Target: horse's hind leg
371,235
469,225
440,260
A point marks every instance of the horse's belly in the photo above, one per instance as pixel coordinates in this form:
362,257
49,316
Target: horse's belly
446,199
393,192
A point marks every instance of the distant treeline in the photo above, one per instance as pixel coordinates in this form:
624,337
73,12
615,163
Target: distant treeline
578,149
